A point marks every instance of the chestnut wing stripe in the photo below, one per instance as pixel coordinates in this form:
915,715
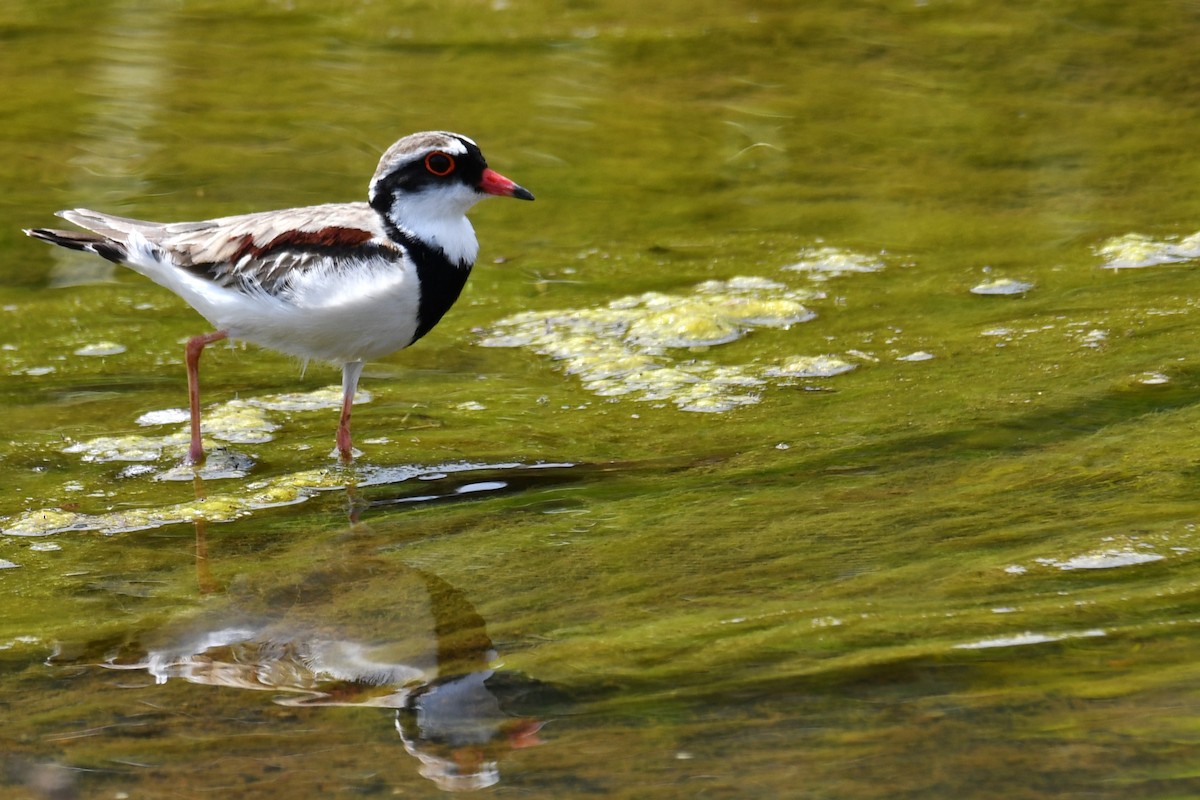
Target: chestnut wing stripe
268,267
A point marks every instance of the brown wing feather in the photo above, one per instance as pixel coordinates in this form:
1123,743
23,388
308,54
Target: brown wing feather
270,266
261,251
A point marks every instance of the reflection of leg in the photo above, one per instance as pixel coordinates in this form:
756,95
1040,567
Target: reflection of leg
204,578
350,374
356,504
195,346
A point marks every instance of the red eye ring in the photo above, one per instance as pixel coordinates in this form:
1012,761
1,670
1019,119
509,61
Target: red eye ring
439,163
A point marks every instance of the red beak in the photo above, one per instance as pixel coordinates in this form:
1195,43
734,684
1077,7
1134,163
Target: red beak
493,182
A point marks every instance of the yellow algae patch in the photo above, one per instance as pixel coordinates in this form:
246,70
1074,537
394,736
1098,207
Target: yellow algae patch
219,463
126,448
636,346
1134,250
238,421
823,263
319,479
44,522
825,366
228,506
223,507
713,396
316,400
235,421
687,325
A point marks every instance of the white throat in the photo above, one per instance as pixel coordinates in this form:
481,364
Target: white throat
439,219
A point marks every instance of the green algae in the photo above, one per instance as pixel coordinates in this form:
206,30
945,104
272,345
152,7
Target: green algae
865,573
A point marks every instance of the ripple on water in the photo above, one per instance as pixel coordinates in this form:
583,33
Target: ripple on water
1115,552
1152,379
1080,332
1106,559
1027,638
1002,286
101,349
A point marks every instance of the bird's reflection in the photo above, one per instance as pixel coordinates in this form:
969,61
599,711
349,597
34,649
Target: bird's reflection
424,652
359,628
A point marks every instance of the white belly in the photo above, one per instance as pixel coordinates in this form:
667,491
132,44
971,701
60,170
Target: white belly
359,315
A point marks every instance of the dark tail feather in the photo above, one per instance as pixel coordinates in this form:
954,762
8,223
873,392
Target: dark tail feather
78,240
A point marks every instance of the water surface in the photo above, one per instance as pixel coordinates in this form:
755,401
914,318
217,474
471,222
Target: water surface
827,428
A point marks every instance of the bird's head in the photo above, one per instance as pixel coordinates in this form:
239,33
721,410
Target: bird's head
436,174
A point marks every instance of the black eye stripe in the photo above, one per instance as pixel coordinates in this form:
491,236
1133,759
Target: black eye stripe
416,176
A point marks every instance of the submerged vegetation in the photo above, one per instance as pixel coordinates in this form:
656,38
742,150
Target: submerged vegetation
929,270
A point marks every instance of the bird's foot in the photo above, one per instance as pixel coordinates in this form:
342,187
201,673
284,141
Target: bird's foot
345,457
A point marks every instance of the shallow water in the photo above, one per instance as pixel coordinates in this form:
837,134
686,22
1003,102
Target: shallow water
827,428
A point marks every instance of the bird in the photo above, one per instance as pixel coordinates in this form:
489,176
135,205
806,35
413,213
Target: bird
340,282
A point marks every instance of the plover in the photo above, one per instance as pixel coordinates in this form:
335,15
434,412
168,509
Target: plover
342,282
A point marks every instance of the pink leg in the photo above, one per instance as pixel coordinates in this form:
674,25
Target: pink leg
195,346
350,373
344,444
